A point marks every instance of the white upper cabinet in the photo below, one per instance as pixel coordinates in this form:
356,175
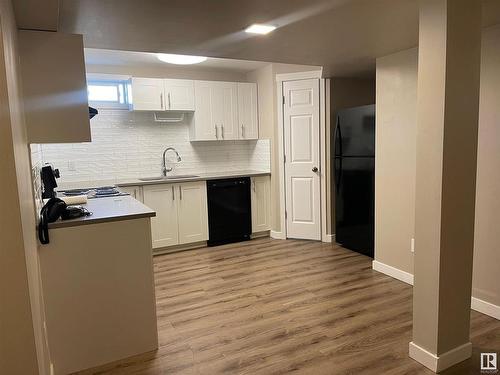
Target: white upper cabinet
155,94
204,127
179,94
54,87
225,99
222,110
216,111
148,94
247,111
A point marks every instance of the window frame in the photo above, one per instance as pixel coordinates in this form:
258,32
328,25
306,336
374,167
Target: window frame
105,104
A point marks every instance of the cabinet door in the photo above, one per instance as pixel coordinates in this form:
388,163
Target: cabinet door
179,94
164,226
147,94
203,128
134,191
193,212
225,109
53,69
247,111
261,203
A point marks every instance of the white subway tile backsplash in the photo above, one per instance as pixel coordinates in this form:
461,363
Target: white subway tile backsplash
130,145
36,166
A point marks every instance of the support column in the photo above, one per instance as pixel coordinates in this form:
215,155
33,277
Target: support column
447,112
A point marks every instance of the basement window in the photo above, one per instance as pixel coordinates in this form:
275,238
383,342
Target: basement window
109,94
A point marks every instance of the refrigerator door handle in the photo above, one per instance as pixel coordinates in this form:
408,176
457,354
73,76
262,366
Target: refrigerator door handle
337,172
338,138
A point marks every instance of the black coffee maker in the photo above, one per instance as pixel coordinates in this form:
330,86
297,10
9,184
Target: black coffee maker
49,175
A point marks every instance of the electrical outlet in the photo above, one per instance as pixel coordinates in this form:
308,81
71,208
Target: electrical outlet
412,245
71,166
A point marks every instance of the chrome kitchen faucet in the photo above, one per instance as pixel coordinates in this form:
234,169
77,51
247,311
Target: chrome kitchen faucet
166,169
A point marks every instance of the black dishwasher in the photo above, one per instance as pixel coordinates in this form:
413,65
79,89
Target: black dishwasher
229,210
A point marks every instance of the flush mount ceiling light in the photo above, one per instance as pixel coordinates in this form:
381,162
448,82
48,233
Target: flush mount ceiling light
180,59
257,28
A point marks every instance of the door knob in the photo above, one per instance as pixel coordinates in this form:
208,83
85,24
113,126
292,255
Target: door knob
315,169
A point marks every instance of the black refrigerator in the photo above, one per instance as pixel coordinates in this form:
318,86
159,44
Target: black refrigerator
354,177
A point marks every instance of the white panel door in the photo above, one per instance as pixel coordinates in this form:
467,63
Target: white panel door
302,157
164,226
147,94
261,203
225,109
179,94
204,120
193,212
248,121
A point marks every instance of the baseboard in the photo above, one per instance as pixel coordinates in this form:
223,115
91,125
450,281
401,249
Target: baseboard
485,308
262,234
328,238
393,272
278,235
442,362
177,248
477,304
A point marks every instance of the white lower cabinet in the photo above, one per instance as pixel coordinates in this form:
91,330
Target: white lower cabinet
261,203
192,212
134,191
164,226
181,213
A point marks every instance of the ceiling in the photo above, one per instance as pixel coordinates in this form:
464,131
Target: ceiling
149,60
36,14
343,36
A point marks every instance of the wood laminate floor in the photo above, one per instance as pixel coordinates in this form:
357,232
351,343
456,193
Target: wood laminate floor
275,307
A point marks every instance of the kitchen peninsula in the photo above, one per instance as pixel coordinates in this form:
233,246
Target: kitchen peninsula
98,287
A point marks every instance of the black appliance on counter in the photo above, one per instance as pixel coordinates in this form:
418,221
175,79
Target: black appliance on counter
92,112
48,177
354,171
229,210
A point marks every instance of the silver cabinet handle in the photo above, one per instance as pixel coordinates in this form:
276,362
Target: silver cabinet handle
169,103
180,192
222,130
242,131
173,193
161,100
216,132
253,185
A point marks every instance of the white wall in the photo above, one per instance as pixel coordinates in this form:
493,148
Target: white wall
21,310
485,284
395,158
395,171
130,144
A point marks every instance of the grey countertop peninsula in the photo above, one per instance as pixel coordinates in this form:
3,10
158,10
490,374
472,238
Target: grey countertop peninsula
108,209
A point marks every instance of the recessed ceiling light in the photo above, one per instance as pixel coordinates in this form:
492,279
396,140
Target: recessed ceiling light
260,29
180,59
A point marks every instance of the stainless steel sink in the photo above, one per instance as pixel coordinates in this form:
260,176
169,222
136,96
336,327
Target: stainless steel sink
157,178
160,178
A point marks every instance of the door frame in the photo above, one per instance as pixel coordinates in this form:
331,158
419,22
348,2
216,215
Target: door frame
324,120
